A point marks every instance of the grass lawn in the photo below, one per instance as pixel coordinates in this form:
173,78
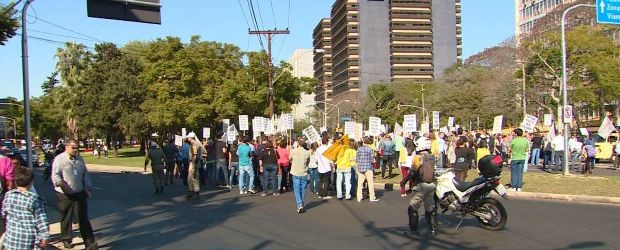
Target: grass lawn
546,183
129,157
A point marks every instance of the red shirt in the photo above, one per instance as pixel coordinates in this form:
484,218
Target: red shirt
6,171
283,156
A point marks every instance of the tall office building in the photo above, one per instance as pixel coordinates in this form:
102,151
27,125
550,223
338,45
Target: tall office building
322,61
375,41
534,17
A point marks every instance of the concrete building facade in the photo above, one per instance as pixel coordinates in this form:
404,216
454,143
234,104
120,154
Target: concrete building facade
374,41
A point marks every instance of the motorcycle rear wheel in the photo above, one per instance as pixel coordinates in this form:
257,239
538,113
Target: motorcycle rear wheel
499,217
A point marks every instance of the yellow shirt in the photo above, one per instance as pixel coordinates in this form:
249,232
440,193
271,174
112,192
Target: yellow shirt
345,159
434,148
482,152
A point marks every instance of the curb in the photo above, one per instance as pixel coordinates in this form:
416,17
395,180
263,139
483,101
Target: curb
534,196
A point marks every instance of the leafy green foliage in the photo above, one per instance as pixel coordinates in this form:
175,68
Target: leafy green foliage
8,23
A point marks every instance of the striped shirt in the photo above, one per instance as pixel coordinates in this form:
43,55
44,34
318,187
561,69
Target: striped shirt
26,220
363,159
71,170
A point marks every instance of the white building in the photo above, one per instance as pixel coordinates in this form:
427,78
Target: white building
301,62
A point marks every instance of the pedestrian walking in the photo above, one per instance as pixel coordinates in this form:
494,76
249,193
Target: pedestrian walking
559,148
268,160
233,162
157,158
193,170
589,152
185,160
575,148
244,152
387,159
547,151
325,168
25,214
537,141
284,165
220,160
423,174
518,151
299,158
313,170
343,169
170,153
461,165
365,172
73,189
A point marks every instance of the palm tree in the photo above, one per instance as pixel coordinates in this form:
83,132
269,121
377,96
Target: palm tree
73,60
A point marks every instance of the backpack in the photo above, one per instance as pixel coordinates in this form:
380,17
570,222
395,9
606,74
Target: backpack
427,170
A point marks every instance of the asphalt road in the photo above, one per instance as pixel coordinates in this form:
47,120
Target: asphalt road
127,215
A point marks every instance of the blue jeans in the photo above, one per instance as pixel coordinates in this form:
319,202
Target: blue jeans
535,156
353,181
343,175
559,159
221,164
211,172
242,182
314,179
299,187
547,158
234,166
270,171
516,173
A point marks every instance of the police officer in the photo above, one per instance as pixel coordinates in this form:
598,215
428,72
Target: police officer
423,173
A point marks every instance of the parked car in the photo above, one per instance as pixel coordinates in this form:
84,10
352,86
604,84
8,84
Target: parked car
35,157
605,147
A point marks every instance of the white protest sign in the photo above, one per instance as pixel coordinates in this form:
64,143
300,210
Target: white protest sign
529,123
374,125
183,132
398,129
206,133
497,124
269,127
425,128
225,125
451,121
359,131
444,130
257,124
606,128
435,120
548,119
311,134
289,122
231,134
584,131
178,140
411,123
349,129
244,123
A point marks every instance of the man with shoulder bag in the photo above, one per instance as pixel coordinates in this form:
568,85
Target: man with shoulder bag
423,171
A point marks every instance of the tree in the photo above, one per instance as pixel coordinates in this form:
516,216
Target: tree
592,65
8,23
72,62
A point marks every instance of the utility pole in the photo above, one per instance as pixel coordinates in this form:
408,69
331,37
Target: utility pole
524,101
269,34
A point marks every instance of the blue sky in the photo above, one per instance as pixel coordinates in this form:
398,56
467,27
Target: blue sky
485,23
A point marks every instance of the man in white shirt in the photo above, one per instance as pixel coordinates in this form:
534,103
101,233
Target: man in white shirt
558,147
325,168
574,145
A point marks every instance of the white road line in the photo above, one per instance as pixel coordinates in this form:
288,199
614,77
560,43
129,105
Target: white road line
98,188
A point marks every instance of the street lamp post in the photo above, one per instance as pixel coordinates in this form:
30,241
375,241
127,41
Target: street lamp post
335,106
564,82
14,127
424,111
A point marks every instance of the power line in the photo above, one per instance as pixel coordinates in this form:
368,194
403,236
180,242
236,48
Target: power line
273,14
255,22
61,35
260,15
243,12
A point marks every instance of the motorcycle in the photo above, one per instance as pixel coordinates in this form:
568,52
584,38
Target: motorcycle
463,198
